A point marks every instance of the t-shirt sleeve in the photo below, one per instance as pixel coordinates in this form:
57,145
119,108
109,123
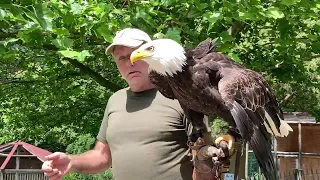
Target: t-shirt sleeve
102,134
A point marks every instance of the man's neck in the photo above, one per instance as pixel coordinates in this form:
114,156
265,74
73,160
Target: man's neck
143,88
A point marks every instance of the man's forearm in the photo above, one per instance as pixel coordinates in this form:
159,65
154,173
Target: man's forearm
90,162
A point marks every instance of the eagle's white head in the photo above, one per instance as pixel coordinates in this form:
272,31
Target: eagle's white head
165,56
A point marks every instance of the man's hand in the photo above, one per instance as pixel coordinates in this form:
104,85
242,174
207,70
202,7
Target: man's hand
56,166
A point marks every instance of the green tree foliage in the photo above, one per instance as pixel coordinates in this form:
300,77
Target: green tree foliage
55,79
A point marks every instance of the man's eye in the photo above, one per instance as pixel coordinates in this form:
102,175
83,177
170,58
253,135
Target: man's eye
122,58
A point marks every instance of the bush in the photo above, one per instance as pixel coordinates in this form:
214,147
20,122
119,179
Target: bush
107,175
82,144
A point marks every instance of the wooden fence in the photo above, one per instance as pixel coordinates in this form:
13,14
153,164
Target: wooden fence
311,174
22,174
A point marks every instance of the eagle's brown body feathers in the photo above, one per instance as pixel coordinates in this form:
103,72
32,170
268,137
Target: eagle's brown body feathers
214,85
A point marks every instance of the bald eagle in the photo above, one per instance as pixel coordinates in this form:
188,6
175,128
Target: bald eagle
206,82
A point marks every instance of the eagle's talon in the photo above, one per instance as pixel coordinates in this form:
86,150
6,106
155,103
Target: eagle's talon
227,138
215,158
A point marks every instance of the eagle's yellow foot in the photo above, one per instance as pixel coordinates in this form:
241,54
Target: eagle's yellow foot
227,138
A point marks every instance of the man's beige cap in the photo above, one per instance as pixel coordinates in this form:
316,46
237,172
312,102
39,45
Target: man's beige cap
130,37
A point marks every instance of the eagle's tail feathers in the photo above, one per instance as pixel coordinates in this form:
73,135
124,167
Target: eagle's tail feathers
278,126
259,139
263,154
242,120
285,128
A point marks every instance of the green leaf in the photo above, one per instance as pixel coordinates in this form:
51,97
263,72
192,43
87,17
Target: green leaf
248,16
10,57
201,6
105,8
9,40
226,37
42,16
313,37
26,2
212,17
193,13
173,33
234,57
61,31
288,2
80,56
104,31
2,13
32,35
159,35
275,13
63,43
70,54
83,55
17,12
76,8
225,48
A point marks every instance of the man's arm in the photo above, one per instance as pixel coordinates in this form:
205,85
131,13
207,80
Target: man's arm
94,161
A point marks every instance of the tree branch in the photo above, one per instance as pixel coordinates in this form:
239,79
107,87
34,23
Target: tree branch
20,81
94,75
312,57
17,82
286,99
236,28
86,70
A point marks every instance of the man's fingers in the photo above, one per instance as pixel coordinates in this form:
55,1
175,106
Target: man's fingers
46,166
57,176
46,169
53,156
51,173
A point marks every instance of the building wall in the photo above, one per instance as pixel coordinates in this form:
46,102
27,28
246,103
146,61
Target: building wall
25,163
30,163
310,134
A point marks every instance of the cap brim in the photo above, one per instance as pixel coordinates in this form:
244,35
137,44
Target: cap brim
127,42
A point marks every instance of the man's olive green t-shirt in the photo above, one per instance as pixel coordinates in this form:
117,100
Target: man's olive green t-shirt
146,133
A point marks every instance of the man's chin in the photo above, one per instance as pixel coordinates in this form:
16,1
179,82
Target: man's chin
136,84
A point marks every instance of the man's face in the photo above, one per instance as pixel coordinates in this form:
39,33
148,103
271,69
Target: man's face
136,75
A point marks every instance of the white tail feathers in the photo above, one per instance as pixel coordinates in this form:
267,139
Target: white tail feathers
285,128
267,127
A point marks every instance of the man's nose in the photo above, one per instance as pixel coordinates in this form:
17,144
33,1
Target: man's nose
129,62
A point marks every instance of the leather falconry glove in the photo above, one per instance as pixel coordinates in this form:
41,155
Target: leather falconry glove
209,160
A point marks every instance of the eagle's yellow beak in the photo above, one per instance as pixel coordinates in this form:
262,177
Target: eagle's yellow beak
228,138
138,55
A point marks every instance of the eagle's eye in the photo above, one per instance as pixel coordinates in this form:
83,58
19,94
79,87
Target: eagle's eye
150,48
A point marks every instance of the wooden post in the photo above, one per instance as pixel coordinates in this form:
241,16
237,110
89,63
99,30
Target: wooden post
276,155
300,152
17,163
247,161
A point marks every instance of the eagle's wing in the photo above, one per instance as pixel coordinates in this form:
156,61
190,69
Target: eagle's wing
250,102
195,118
256,116
161,83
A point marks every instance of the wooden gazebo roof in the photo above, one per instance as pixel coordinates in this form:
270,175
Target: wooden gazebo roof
21,149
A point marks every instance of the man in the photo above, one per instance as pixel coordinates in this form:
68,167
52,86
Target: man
143,135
